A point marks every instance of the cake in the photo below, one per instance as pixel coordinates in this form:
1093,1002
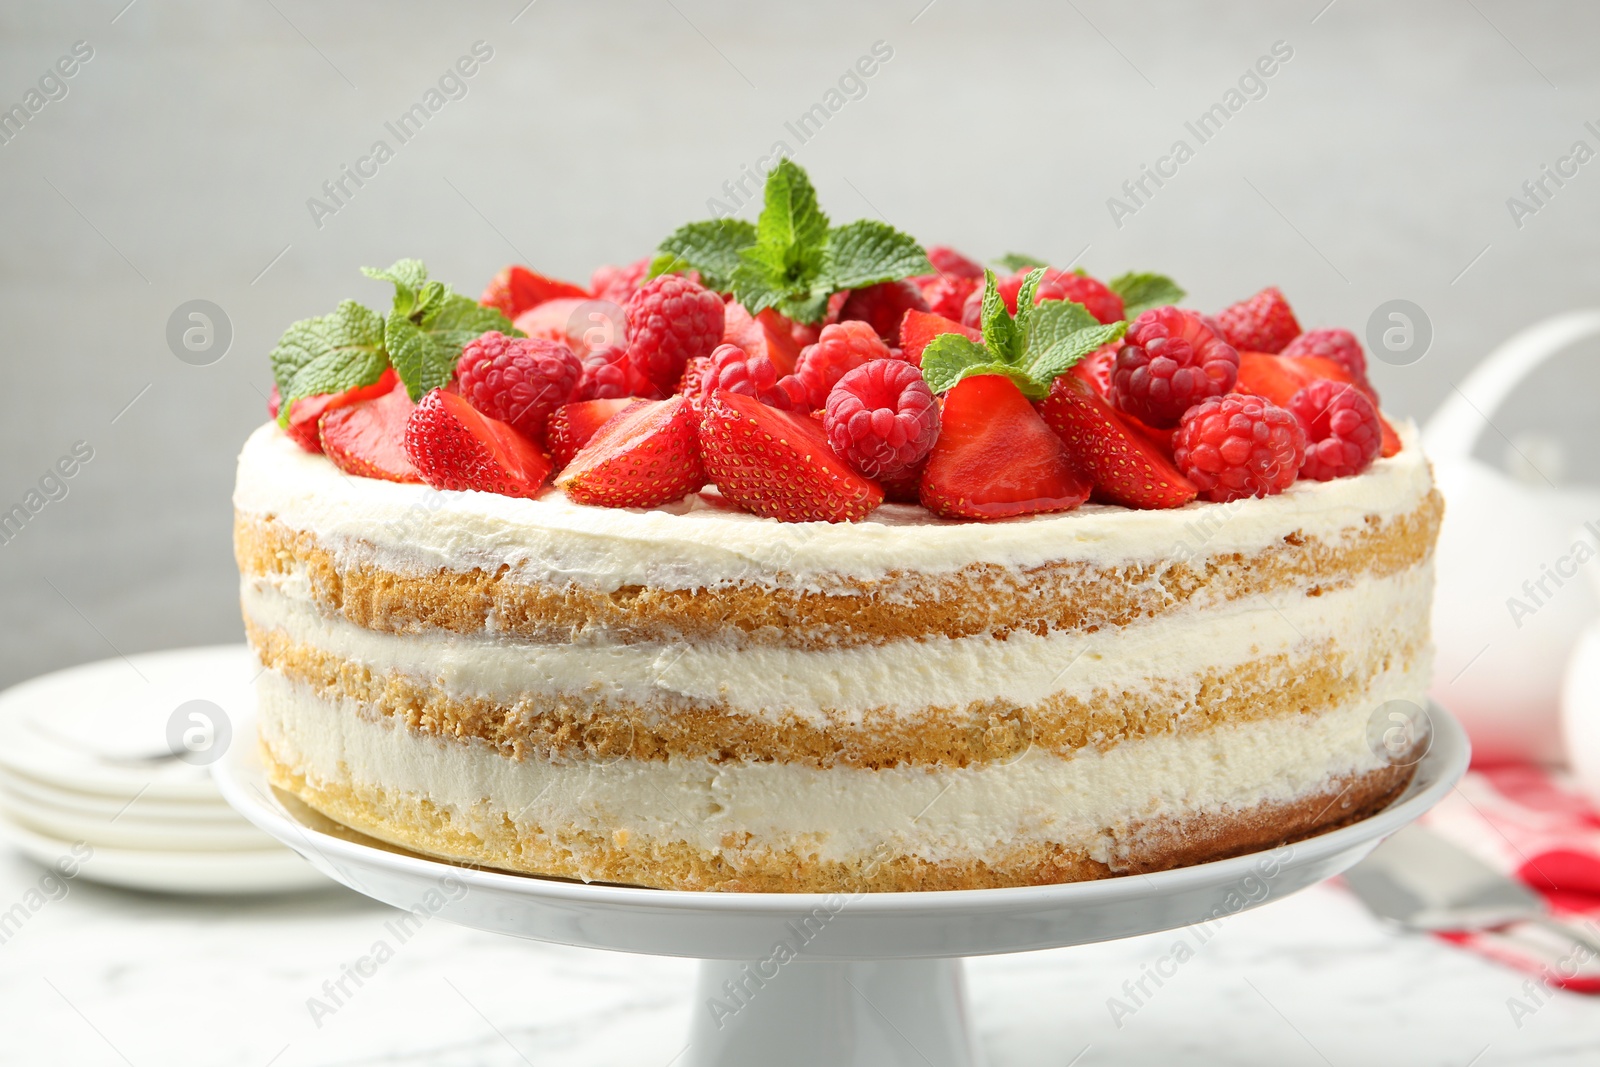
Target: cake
770,681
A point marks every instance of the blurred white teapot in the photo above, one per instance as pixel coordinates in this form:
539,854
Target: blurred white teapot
1510,601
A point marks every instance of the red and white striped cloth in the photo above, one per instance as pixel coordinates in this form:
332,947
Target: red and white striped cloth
1535,825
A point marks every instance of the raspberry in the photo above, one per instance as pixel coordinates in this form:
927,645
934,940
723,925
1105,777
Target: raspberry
737,371
1341,427
841,348
1170,362
1239,445
617,284
952,264
882,306
1264,323
609,373
1338,346
518,380
1102,303
947,294
671,320
882,418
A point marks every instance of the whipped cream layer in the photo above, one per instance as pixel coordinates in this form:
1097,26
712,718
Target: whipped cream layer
694,544
1362,622
841,812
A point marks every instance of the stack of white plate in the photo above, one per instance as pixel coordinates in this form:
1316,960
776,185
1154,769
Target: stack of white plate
107,765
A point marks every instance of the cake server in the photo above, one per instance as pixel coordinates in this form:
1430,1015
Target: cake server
1424,882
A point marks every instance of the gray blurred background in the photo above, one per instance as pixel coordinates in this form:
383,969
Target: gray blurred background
178,164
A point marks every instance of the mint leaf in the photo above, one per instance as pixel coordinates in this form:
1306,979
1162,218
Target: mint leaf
1048,364
867,252
995,320
1015,261
947,357
1141,292
1025,298
407,275
791,223
426,344
710,247
1053,321
329,354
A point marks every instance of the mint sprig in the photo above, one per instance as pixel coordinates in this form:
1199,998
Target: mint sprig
427,326
791,259
1142,291
1035,346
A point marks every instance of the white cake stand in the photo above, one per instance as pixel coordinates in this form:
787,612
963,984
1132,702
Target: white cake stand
875,979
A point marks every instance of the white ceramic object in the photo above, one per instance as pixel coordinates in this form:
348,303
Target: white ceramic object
1500,668
1580,705
876,980
189,873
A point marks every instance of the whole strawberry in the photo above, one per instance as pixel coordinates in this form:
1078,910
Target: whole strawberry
1339,346
882,418
1239,445
882,306
671,320
1341,426
1264,323
841,348
518,380
1169,362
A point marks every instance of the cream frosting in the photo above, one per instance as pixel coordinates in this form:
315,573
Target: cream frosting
1361,621
843,812
694,544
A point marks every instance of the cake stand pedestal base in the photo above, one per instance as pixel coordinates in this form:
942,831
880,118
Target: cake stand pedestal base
878,1013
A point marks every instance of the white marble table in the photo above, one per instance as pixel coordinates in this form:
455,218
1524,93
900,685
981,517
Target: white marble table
106,977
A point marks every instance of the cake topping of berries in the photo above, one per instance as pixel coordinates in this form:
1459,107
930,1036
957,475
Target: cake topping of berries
518,380
617,284
947,294
454,446
1338,346
1264,323
779,464
1169,362
882,418
646,455
671,320
882,306
950,263
1239,445
737,371
1342,429
841,348
921,327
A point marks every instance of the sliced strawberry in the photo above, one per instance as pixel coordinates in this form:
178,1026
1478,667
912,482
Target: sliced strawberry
778,463
454,447
368,439
572,425
769,334
645,455
582,325
307,412
1278,378
1127,465
516,289
996,457
920,327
